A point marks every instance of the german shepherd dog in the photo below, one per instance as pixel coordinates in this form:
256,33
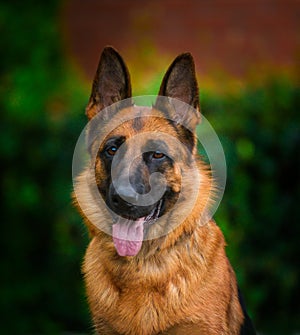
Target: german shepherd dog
152,267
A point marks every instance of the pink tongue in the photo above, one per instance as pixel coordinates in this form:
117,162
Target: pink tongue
128,236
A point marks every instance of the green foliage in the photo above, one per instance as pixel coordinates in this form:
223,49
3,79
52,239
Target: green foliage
260,131
43,239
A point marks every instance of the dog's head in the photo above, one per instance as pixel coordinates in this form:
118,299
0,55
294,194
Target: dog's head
144,157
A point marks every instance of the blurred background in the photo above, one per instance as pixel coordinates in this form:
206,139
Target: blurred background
247,54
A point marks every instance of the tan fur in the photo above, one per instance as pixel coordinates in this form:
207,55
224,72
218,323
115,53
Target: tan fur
178,284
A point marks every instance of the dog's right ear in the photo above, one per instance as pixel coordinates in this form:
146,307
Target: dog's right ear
111,83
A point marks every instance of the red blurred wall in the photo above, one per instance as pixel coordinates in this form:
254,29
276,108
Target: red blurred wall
230,35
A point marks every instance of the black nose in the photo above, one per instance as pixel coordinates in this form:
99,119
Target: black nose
125,193
124,202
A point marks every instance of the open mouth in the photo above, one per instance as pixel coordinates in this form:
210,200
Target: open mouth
128,234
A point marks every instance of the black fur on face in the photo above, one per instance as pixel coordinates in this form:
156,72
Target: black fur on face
154,158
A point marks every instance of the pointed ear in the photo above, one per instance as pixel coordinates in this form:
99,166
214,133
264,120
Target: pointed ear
111,82
180,83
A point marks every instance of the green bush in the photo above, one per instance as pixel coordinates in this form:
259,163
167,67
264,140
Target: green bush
260,131
43,238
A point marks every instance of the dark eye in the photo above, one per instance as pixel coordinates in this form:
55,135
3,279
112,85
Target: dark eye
111,150
158,155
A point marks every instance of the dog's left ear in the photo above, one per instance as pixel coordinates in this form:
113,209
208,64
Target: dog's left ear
111,83
180,83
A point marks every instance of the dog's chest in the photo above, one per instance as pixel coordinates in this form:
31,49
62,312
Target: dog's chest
142,309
